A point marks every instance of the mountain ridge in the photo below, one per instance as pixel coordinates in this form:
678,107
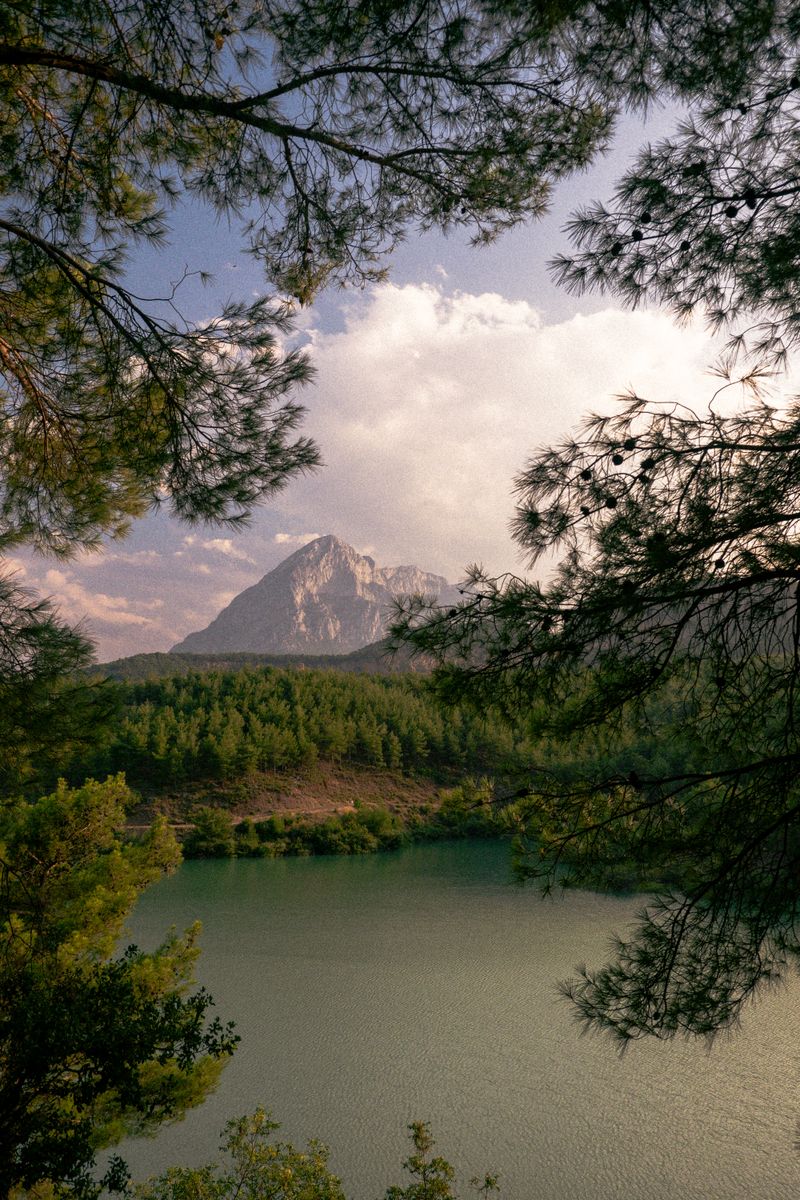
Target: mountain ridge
324,599
367,660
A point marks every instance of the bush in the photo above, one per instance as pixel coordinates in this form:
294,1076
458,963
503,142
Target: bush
247,840
212,835
466,811
385,827
270,829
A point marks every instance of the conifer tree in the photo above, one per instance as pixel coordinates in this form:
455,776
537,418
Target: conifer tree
333,128
675,609
94,1044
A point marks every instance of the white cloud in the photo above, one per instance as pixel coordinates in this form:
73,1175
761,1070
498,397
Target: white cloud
142,599
427,406
77,603
295,539
225,546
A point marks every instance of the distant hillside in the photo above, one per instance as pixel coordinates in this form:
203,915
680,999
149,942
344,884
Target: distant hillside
177,732
369,660
325,599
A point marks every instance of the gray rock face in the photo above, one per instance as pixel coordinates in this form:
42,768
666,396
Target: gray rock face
324,599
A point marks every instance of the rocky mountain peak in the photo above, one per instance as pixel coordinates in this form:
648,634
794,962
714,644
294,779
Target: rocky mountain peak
326,598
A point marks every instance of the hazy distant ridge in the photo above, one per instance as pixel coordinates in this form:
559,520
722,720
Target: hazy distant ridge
369,660
326,598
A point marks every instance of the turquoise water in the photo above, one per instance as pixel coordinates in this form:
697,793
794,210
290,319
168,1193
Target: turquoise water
421,985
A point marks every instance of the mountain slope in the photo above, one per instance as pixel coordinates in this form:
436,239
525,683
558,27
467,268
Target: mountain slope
368,660
324,599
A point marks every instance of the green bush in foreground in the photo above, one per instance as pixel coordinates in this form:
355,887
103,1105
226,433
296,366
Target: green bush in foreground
261,1168
212,835
97,1043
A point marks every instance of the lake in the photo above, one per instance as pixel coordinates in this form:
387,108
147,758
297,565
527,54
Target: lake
420,984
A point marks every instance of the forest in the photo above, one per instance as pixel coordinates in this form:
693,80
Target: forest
215,739
227,724
199,743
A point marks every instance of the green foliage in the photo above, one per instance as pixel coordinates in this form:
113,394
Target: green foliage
469,810
432,1176
681,567
682,596
361,832
369,660
223,725
371,119
247,841
368,122
672,620
258,1168
213,834
703,221
49,711
93,1046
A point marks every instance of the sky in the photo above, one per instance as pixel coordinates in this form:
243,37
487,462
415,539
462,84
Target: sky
432,390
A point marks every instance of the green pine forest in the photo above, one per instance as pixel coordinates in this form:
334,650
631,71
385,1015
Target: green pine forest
204,745
206,741
223,725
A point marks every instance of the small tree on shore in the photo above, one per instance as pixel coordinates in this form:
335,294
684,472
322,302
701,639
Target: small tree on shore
94,1045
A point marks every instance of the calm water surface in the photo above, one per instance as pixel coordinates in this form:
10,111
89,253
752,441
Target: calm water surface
420,985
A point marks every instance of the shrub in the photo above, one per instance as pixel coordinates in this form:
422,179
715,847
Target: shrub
212,835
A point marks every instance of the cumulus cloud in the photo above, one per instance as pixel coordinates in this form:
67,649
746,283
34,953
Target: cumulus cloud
295,539
141,598
77,603
428,405
224,546
116,619
104,558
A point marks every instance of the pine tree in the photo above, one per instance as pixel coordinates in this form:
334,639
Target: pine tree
675,609
68,884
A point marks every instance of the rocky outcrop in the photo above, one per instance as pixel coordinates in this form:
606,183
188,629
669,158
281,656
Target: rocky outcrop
324,599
